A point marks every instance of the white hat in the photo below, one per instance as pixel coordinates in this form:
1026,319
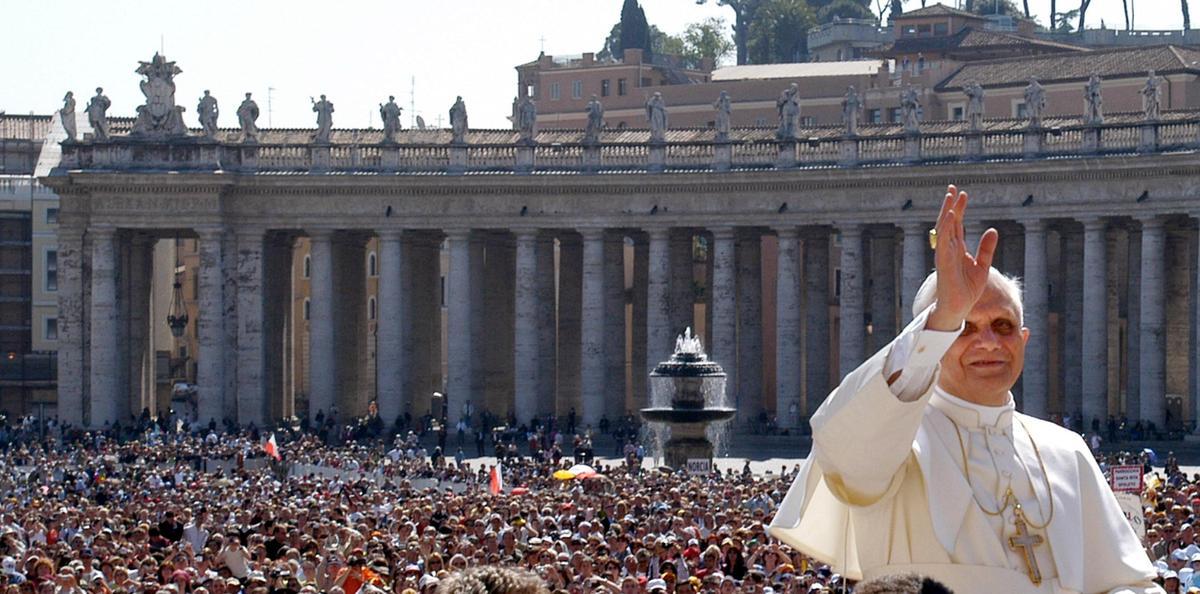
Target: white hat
656,584
1170,575
427,580
9,564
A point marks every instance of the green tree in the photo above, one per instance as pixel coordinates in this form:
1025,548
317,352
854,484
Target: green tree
1008,7
744,12
827,10
780,32
707,39
665,44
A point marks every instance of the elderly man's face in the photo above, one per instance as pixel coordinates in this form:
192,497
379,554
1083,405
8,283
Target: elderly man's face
986,359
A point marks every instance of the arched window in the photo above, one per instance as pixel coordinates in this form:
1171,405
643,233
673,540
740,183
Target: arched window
307,268
372,265
307,309
371,308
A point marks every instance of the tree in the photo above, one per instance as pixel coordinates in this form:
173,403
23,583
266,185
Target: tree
827,10
1083,6
665,44
1063,20
635,31
1006,7
1187,17
706,39
780,32
743,14
1028,15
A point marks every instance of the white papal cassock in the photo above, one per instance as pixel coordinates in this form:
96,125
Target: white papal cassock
884,490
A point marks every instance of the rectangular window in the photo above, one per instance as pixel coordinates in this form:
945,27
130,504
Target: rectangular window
51,270
51,216
941,29
894,114
604,84
875,116
555,92
51,329
576,89
1019,110
956,113
622,86
808,120
645,82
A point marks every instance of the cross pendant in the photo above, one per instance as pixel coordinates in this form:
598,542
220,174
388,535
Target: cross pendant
1023,542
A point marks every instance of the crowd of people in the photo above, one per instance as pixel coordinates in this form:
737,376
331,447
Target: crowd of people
97,513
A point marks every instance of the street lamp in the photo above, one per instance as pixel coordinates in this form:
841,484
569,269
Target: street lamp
177,317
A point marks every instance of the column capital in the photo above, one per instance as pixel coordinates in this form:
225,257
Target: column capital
1151,221
525,233
723,232
917,227
210,232
390,234
661,233
1033,225
591,233
323,235
458,234
850,228
250,232
102,231
789,231
1093,223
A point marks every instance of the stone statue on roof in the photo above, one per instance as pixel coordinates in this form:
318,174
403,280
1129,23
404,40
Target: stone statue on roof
1152,96
851,106
159,117
724,107
208,111
1093,109
458,121
247,114
389,113
788,106
1035,102
656,113
324,111
910,110
595,121
527,120
67,115
974,93
97,110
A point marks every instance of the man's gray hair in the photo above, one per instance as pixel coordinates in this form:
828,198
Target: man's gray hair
1010,285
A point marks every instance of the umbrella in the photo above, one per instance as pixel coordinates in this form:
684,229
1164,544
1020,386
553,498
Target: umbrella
582,471
519,491
564,475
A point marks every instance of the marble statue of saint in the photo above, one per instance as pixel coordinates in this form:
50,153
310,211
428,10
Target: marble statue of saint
159,116
1152,96
97,110
458,121
324,111
389,113
724,107
910,110
1035,102
247,114
656,113
526,119
974,93
851,106
67,115
788,106
1093,111
595,121
208,112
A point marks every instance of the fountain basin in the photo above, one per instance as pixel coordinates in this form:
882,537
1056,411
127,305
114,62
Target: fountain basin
709,414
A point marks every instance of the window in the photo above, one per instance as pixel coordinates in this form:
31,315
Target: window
645,82
51,329
576,89
941,28
875,116
183,352
371,308
51,216
957,112
808,120
894,114
760,122
372,265
1019,110
307,309
555,92
307,266
51,270
604,84
622,86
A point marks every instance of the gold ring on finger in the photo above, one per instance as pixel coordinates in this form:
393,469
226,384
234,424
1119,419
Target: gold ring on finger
933,239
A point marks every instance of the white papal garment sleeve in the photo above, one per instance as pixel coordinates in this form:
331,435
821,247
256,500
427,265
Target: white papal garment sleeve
863,432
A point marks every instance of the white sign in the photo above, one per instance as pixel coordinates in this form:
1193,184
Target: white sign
1131,506
1127,478
699,466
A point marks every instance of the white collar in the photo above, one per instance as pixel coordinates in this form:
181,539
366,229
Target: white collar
970,414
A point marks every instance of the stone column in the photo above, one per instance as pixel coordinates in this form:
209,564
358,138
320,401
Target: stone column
210,370
547,326
658,322
105,376
816,318
1152,363
478,299
789,343
614,324
682,300
749,395
639,384
458,303
570,330
251,394
851,324
916,242
389,352
1095,323
1133,323
525,327
1035,380
724,305
322,370
71,327
593,389
1195,348
229,276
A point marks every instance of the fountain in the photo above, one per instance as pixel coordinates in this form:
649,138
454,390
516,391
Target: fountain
688,395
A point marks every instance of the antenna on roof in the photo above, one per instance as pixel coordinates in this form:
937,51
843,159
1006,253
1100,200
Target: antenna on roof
542,40
162,44
270,91
412,101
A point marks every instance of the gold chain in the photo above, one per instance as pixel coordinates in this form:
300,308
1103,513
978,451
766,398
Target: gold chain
1008,495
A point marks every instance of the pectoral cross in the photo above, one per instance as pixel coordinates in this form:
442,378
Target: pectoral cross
1023,542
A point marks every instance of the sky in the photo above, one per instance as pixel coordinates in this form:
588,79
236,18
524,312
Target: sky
425,52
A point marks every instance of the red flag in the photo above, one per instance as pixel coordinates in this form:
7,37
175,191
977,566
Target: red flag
495,480
272,448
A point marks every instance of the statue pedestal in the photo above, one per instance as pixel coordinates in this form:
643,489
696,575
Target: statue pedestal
974,146
591,157
248,157
458,159
1032,142
658,158
787,155
524,158
319,158
389,157
912,148
722,156
1148,143
1091,139
687,442
848,152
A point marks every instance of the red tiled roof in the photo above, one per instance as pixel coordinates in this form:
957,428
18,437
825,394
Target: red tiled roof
1118,62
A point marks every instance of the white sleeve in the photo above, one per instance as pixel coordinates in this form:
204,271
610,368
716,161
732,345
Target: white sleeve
916,353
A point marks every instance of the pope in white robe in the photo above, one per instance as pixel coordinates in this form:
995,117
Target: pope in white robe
921,463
